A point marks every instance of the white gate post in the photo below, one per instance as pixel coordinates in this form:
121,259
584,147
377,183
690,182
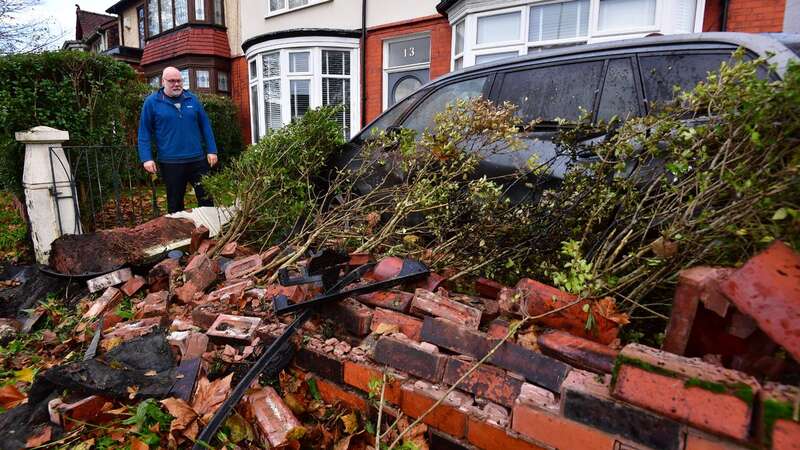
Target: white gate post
49,188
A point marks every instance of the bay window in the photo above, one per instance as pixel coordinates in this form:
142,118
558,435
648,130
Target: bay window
164,15
483,34
282,6
286,82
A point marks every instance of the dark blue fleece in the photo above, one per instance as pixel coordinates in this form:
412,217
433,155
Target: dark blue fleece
178,133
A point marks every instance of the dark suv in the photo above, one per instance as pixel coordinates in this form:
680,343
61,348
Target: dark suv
623,79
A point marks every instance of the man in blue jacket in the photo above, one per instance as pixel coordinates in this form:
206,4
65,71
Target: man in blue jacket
174,120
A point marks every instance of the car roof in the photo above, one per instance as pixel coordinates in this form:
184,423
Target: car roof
760,44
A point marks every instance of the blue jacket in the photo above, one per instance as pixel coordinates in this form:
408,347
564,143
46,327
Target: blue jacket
178,133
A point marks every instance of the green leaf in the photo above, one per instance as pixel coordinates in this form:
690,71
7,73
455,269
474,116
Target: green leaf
780,214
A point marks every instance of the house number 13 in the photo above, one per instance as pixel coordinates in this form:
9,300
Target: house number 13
408,51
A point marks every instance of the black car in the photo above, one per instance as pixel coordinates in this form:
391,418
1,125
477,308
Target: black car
616,79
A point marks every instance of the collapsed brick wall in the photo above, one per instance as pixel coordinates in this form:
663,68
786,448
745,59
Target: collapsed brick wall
577,394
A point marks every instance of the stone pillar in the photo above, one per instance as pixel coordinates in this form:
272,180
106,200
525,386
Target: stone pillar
49,190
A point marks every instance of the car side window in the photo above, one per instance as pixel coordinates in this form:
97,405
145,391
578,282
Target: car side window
661,73
619,97
552,92
423,116
389,117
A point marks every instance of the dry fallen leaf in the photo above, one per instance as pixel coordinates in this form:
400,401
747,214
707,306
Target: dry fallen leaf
664,248
184,416
10,396
150,373
350,422
41,437
136,444
344,443
132,391
607,308
25,375
209,395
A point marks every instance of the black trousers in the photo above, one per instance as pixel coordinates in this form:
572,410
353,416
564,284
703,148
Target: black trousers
176,175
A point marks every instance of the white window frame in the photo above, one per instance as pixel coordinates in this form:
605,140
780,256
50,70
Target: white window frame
664,23
453,48
387,70
287,9
314,44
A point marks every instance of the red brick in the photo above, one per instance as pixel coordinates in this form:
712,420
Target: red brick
410,326
490,437
191,344
197,276
578,352
585,399
355,317
199,234
537,299
448,417
428,303
359,375
272,418
332,393
395,300
133,285
204,315
765,288
486,381
229,249
667,393
104,303
321,363
404,354
776,423
488,288
498,328
114,278
158,277
154,305
697,440
535,367
535,416
234,329
230,293
241,268
694,285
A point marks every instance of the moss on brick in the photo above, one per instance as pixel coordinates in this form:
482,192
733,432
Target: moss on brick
622,359
772,411
739,390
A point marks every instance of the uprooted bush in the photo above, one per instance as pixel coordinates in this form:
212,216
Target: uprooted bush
710,179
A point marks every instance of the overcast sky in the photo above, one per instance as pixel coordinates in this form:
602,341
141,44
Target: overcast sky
61,14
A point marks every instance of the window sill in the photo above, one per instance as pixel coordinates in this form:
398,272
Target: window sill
287,10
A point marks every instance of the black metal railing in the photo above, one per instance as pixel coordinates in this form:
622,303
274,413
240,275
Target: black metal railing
109,186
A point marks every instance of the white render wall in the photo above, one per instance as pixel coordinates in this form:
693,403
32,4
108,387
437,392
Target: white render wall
381,12
333,14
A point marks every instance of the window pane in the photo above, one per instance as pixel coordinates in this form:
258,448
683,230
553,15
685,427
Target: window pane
181,12
275,5
253,69
155,81
185,78
619,96
625,14
684,11
336,91
299,97
423,116
218,12
414,51
460,37
459,63
203,79
222,81
271,65
498,28
660,74
140,17
254,110
480,59
200,9
297,3
152,17
335,62
166,15
559,21
272,104
554,92
298,62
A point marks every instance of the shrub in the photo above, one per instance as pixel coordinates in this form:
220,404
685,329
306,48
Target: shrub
225,123
95,98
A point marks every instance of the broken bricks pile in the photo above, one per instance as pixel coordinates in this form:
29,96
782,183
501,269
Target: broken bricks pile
563,388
